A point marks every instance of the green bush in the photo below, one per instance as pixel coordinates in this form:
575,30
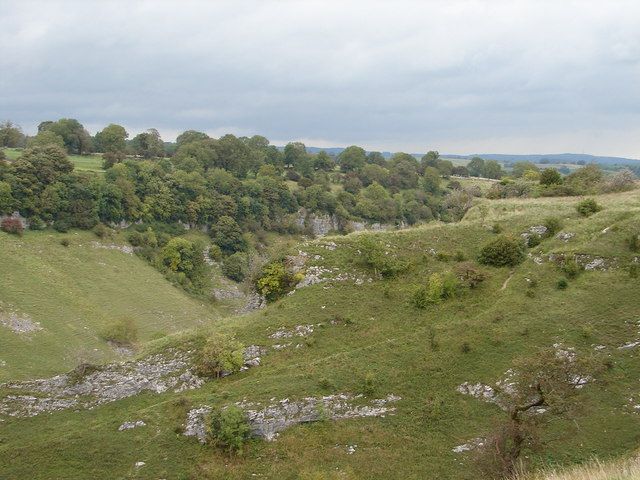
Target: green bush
634,270
374,257
562,284
553,224
276,281
571,268
588,207
534,240
497,228
220,355
235,266
229,429
65,242
503,251
369,384
36,223
633,242
61,226
421,297
101,230
121,332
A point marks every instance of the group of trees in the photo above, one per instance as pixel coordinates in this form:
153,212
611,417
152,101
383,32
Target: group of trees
245,180
70,134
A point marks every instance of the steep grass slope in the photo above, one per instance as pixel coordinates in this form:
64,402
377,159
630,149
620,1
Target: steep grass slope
73,292
368,338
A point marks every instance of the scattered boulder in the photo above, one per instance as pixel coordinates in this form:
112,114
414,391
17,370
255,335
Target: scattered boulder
472,444
128,249
565,236
19,323
131,425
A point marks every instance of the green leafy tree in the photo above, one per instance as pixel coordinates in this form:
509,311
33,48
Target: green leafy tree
227,234
220,355
112,139
476,167
11,135
75,137
376,158
46,137
190,136
352,159
375,203
322,161
492,169
148,144
275,281
521,168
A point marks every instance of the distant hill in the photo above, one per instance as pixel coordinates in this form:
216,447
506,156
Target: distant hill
504,157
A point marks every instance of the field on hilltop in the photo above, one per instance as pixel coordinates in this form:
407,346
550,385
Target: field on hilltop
350,332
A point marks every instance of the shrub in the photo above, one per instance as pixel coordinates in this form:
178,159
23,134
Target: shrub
12,225
435,288
373,256
562,283
571,268
553,224
450,286
369,384
550,176
220,355
620,181
61,226
275,281
503,251
121,332
588,207
465,347
36,223
634,270
534,240
459,256
633,241
469,274
229,429
497,228
235,266
421,298
64,242
101,230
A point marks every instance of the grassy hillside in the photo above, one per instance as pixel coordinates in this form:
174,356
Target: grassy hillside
73,292
367,338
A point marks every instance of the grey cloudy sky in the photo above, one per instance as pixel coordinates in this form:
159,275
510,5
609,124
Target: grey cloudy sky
458,76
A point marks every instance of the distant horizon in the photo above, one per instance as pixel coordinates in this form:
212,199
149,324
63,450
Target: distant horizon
280,143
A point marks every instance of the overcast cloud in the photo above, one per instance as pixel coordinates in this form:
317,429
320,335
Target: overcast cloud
457,76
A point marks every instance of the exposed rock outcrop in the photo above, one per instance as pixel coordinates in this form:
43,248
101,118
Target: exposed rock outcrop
267,421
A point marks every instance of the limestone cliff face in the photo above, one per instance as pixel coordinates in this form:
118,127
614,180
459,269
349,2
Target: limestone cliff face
322,224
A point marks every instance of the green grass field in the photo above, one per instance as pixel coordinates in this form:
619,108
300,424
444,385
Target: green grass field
87,163
416,354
